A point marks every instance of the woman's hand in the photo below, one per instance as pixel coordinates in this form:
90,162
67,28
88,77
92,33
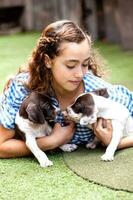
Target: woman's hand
103,130
59,136
63,134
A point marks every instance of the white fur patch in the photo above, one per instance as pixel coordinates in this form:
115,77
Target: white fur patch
72,115
28,127
33,131
105,108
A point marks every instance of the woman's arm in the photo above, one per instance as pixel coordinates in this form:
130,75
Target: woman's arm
103,131
11,147
126,142
60,135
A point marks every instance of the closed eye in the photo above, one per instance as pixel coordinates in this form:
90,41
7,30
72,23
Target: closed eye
85,64
93,117
70,66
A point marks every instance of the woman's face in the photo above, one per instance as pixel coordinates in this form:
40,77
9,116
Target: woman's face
70,66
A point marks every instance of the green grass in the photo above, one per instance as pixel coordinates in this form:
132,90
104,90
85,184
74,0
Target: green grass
23,178
14,52
119,62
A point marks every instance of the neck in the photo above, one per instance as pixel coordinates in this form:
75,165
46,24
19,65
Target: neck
66,98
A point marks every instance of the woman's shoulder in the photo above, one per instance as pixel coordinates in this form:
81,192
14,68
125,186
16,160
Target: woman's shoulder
92,82
18,84
11,99
16,88
22,77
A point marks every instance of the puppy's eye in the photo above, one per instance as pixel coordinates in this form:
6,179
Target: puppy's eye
69,111
78,107
93,117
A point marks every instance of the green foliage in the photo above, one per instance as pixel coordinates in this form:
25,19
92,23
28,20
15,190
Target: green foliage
23,178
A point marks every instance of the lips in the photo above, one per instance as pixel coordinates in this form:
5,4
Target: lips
75,82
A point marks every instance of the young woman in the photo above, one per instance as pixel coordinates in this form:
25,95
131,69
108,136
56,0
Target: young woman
63,65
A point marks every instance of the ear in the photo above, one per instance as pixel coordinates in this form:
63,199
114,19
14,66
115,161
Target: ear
35,114
47,61
77,107
102,92
89,109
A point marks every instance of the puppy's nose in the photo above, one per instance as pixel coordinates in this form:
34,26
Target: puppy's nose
64,113
68,110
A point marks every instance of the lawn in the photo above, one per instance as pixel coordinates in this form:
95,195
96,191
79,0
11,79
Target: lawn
23,178
119,62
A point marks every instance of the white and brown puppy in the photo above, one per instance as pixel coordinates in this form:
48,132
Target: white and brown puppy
90,106
34,120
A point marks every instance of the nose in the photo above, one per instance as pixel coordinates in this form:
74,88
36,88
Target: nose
79,72
67,110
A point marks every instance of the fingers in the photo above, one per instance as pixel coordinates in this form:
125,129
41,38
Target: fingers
103,130
68,125
97,124
103,123
106,123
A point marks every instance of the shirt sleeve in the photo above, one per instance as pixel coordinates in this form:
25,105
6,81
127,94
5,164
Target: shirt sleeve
93,83
11,100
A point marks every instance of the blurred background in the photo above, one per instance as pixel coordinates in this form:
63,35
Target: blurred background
110,20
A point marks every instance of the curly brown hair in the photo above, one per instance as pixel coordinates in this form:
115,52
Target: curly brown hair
49,44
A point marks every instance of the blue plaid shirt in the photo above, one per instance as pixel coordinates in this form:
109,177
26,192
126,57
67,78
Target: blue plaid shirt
11,100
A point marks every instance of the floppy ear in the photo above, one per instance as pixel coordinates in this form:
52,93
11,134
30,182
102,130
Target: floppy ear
78,107
88,110
102,92
34,113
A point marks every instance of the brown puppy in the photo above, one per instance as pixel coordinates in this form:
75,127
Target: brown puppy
89,106
35,119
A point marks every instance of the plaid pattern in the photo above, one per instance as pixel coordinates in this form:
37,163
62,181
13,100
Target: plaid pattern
11,100
117,93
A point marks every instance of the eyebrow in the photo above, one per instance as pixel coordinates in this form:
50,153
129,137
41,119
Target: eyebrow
74,60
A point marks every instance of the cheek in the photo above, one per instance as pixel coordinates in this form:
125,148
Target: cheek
85,70
58,73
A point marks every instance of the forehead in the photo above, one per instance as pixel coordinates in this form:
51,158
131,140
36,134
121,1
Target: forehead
72,50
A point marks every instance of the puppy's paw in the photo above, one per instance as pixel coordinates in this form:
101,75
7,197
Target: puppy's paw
43,160
46,163
68,147
91,145
107,157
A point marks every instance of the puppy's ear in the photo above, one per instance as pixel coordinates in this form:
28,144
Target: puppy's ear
78,107
35,114
89,109
102,92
